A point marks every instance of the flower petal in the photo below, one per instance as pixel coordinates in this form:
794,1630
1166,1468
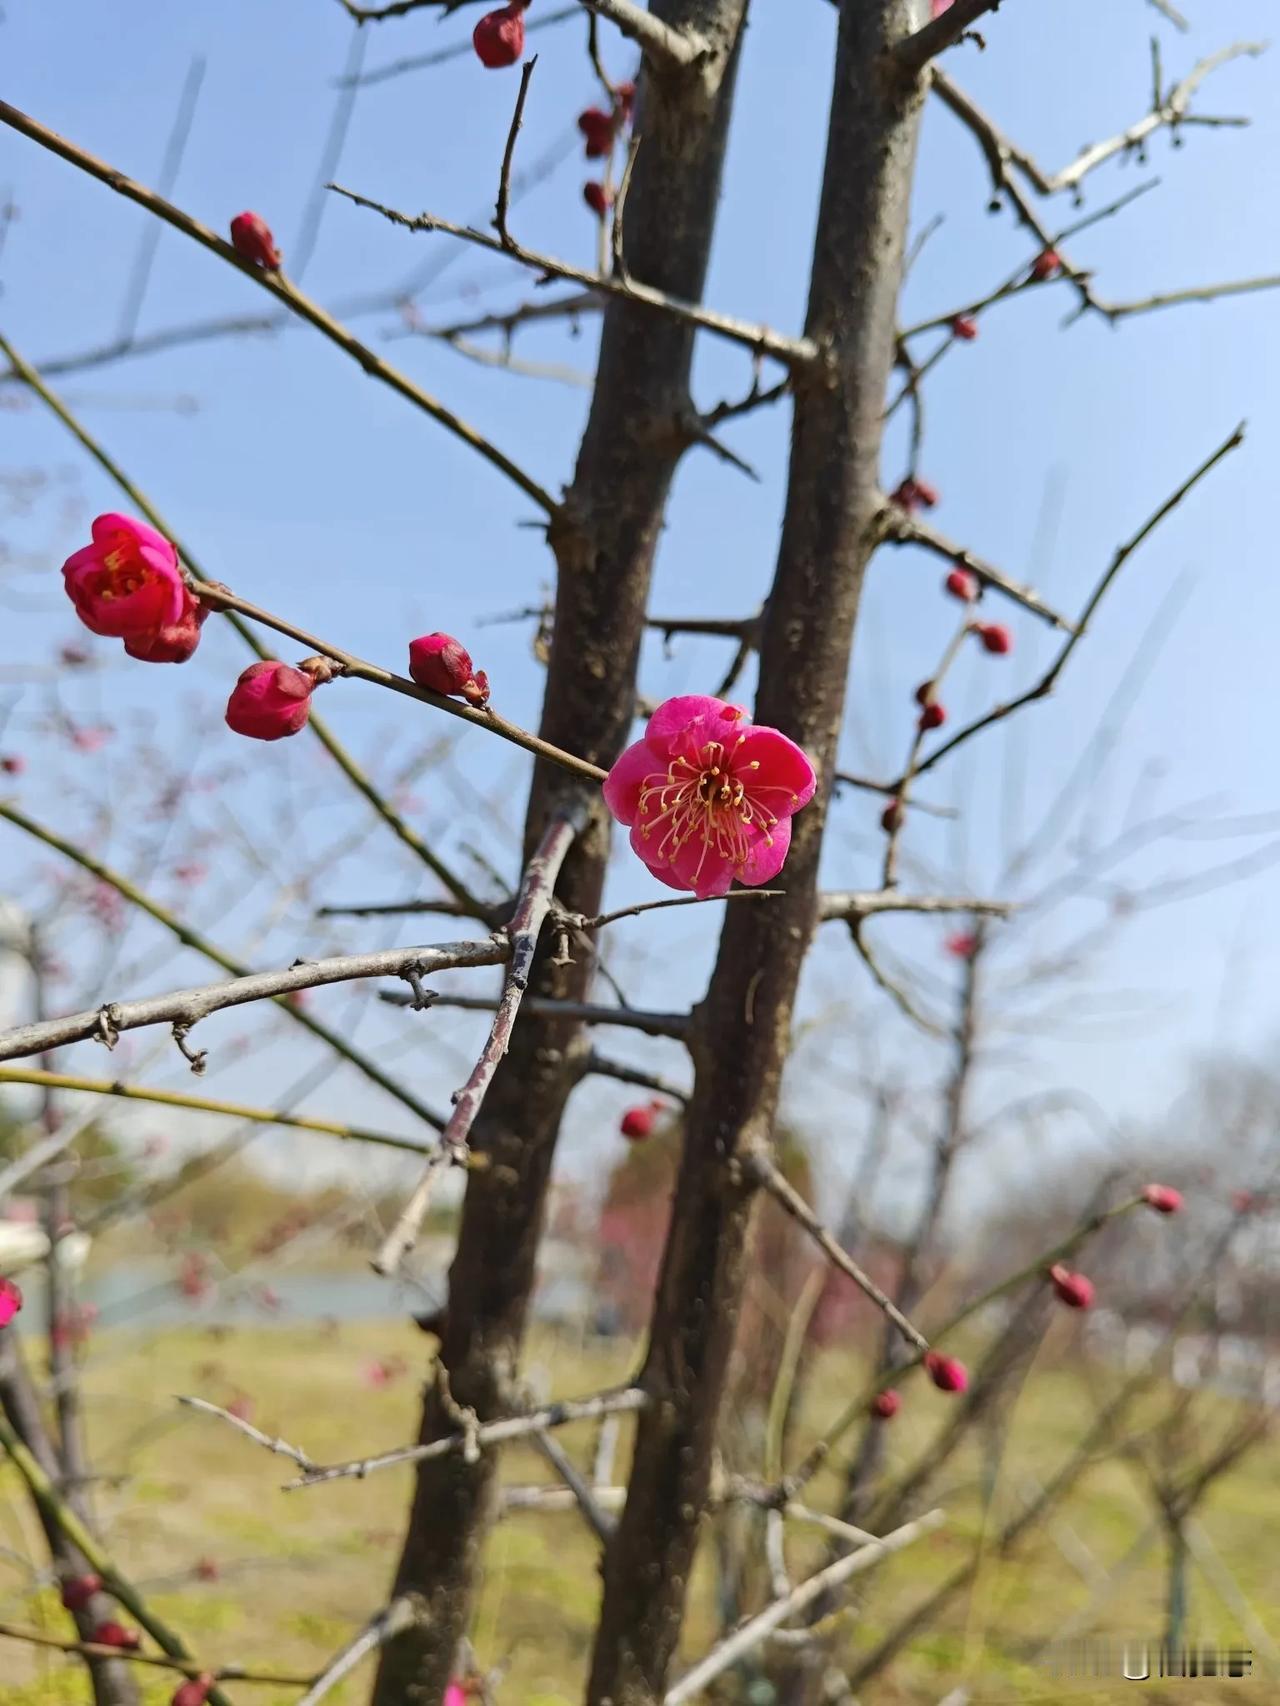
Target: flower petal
106,531
785,779
700,868
643,847
675,715
767,856
623,783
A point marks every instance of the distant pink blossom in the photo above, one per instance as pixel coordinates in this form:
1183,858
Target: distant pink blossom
963,945
10,1301
127,582
708,797
269,701
455,1695
940,6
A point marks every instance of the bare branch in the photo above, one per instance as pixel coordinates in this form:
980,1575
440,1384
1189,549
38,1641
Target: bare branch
532,907
199,1104
904,529
600,1524
912,55
1047,682
604,1067
629,1399
284,291
158,1661
756,1165
1168,110
857,905
760,1627
222,598
1178,298
341,757
52,1504
796,353
188,1006
191,939
582,1012
393,1620
280,1447
659,43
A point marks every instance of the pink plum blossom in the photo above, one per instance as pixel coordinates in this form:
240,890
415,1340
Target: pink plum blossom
10,1301
127,582
455,1695
176,641
708,797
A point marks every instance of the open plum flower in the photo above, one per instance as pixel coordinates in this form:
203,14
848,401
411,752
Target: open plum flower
708,796
128,582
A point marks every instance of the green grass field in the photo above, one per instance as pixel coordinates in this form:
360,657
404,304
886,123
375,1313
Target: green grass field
288,1576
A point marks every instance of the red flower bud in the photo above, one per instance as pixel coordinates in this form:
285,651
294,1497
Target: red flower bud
207,1570
598,128
12,764
995,637
174,643
926,494
965,327
961,584
77,1591
499,36
962,946
193,1692
270,701
932,717
1163,1198
891,818
10,1301
443,665
625,95
638,1123
252,240
597,198
886,1404
1046,263
1073,1289
946,1373
114,1634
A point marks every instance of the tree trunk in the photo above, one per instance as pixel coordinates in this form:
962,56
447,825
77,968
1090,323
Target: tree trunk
741,1032
604,549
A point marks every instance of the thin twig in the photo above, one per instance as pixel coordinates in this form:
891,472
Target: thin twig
188,1006
50,1501
284,291
600,1524
191,939
579,1012
198,1104
1048,681
760,1627
758,1166
488,1433
903,529
350,769
912,55
792,352
159,1661
400,1615
222,598
509,153
532,908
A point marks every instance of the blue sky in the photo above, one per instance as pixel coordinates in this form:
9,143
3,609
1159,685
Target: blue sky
314,491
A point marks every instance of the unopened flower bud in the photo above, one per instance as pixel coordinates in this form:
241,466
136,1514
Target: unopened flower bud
113,1634
252,240
965,327
1073,1289
995,637
891,818
1045,265
1163,1198
886,1404
946,1373
77,1591
193,1692
442,664
963,585
638,1123
932,717
597,128
597,198
499,36
270,701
